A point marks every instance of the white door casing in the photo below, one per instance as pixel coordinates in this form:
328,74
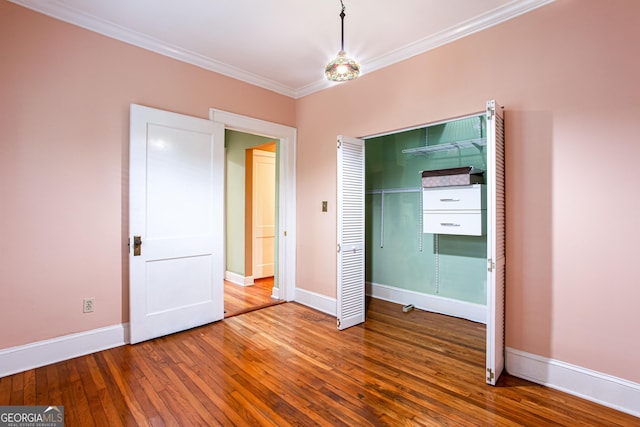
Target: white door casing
495,242
263,212
285,269
176,207
350,212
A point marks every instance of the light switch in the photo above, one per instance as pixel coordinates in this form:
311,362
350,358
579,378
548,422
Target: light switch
324,206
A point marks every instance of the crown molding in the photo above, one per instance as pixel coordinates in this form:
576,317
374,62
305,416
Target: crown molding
59,10
466,28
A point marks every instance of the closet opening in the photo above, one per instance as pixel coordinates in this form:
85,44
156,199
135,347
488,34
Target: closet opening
433,221
443,272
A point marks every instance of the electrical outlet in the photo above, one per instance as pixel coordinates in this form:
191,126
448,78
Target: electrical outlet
87,305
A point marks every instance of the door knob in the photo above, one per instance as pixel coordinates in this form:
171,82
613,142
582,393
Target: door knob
137,244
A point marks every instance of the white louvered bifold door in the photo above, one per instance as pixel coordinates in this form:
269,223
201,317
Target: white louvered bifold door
495,242
350,211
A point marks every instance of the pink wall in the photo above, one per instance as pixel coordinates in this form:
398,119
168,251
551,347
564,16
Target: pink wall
64,141
568,76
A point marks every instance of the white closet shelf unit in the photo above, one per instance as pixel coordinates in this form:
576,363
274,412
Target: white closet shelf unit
457,210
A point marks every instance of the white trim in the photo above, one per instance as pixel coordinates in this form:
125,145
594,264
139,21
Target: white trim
238,279
275,293
63,12
434,303
41,353
316,301
286,268
451,34
607,390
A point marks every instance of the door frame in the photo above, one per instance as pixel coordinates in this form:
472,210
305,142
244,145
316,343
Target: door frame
495,327
286,238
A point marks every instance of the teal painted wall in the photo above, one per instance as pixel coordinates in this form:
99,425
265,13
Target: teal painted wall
236,144
400,263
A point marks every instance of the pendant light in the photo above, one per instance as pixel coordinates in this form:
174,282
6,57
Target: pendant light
342,67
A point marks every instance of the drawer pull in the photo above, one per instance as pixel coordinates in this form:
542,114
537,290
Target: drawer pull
449,224
449,200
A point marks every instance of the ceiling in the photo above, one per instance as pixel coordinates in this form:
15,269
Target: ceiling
283,45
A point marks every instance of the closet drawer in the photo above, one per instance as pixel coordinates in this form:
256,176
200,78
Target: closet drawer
462,223
453,198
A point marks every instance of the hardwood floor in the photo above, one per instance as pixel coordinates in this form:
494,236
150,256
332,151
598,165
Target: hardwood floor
242,299
288,365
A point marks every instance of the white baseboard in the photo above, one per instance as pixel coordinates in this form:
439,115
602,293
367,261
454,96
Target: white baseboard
238,279
275,293
607,390
436,304
450,307
317,301
41,353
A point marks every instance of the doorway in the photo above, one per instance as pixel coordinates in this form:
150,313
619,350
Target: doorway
250,227
203,212
462,268
284,137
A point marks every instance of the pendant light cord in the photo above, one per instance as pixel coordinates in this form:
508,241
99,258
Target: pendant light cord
342,15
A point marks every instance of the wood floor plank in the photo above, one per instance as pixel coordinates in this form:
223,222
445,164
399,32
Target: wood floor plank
240,299
124,383
42,391
17,390
30,387
288,365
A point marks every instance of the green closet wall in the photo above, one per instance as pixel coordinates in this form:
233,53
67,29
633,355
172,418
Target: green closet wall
401,263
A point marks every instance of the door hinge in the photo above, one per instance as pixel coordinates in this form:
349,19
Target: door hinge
490,265
337,323
285,234
491,110
339,142
339,247
490,375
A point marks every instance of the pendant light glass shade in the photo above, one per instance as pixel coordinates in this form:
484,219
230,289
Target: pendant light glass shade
342,67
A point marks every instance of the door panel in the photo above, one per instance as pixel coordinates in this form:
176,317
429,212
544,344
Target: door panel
350,211
495,242
176,205
264,213
179,185
165,283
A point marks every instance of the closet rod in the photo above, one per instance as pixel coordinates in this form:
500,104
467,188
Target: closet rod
394,190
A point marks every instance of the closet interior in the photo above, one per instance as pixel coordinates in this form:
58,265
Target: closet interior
417,238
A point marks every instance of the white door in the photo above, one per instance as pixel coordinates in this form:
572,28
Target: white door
495,242
350,212
175,221
263,212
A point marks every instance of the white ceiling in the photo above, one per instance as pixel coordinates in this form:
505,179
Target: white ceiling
283,45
